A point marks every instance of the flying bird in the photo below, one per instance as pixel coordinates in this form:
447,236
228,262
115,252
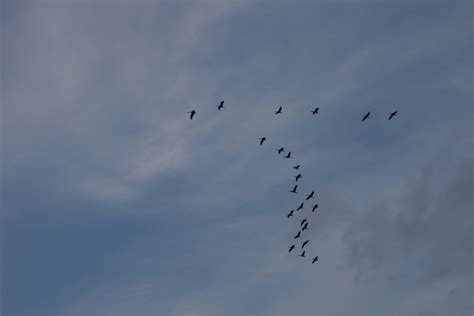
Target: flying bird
366,116
309,196
288,155
315,111
290,214
291,248
296,167
298,176
315,259
300,207
303,221
281,150
392,115
221,105
192,114
303,253
305,227
262,140
304,244
315,207
279,110
298,235
294,189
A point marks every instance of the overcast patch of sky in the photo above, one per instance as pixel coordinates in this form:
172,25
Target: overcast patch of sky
114,203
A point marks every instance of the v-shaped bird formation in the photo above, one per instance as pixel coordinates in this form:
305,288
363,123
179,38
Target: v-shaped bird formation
299,209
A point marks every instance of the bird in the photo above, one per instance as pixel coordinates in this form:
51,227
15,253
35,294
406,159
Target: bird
262,140
304,244
221,105
288,155
298,176
298,235
294,189
366,116
309,196
305,227
290,214
315,111
291,248
315,207
281,150
315,259
392,115
303,221
192,114
279,110
296,167
300,207
303,253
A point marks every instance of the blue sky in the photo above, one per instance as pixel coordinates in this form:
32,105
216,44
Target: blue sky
115,203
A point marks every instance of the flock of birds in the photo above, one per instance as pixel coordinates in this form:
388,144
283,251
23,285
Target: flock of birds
304,223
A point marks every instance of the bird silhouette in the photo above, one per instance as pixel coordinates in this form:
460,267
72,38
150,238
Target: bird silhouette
303,253
298,235
392,115
304,244
315,207
303,221
290,214
262,140
192,114
297,167
309,196
279,110
281,150
315,111
221,105
366,116
291,248
298,176
315,259
288,155
305,227
294,189
300,207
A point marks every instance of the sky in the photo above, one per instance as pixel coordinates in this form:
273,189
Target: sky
114,203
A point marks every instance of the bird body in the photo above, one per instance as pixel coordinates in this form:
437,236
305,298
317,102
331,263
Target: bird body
298,176
294,189
192,114
309,196
392,115
220,106
298,235
315,207
315,111
304,244
262,140
303,253
279,110
291,248
290,214
366,116
297,167
288,155
281,150
305,227
300,207
303,221
315,259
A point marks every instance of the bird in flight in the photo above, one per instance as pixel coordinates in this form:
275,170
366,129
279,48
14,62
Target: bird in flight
315,207
290,214
304,244
303,253
221,105
303,221
262,140
298,235
315,259
281,150
298,176
294,189
291,248
309,196
300,207
315,111
297,167
392,115
366,116
192,114
279,110
305,227
288,155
